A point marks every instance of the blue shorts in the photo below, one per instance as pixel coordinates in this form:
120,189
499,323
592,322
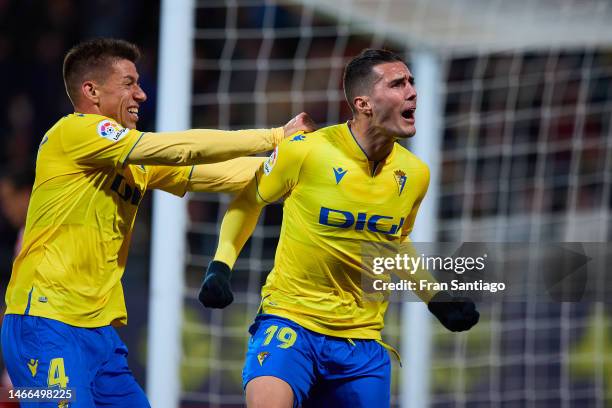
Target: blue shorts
41,352
323,371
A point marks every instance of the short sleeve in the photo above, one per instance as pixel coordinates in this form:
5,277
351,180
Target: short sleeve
280,172
97,140
172,179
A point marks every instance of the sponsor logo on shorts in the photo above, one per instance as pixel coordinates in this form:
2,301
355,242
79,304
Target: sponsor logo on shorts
33,366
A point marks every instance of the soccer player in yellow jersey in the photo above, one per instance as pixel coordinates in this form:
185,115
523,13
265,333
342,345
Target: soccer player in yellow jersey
317,338
92,170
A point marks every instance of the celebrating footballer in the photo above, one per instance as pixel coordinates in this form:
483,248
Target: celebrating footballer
316,341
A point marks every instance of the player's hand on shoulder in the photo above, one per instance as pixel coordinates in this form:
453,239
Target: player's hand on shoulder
301,123
456,313
216,291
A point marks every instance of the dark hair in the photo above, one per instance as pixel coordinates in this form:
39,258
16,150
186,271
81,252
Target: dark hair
358,76
92,59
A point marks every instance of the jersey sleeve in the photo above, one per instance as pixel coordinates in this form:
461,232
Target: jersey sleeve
280,172
201,146
172,179
98,141
275,177
229,176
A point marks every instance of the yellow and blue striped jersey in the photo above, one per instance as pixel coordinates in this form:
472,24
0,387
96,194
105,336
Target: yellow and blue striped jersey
336,201
80,220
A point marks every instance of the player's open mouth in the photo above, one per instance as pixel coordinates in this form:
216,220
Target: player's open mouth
408,114
133,113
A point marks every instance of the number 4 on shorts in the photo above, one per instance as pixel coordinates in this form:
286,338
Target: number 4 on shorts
57,374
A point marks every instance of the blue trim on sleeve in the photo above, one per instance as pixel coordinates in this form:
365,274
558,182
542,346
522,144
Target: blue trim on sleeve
132,149
257,189
188,180
190,173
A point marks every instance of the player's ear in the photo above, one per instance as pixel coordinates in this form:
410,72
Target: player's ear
90,92
362,105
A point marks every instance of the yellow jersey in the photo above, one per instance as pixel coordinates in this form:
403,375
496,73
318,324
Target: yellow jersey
337,202
80,220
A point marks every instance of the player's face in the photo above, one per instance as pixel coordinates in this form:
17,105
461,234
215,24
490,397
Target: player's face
121,94
393,99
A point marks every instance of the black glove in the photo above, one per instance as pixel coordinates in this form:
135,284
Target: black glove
216,291
454,312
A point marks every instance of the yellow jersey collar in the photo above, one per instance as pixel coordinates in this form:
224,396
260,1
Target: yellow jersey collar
359,154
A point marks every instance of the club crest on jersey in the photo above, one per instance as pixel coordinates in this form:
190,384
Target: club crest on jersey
111,130
261,357
400,179
269,164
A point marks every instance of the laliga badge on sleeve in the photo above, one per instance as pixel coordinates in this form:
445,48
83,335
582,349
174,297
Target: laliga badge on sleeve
111,130
269,164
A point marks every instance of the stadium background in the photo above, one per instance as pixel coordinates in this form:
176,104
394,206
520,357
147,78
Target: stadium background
525,155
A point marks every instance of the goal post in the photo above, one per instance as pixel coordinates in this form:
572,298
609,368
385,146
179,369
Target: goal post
169,220
416,344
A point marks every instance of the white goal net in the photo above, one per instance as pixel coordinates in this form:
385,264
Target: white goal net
526,155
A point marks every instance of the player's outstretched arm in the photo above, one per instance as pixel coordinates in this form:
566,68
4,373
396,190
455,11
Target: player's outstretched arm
237,226
239,223
230,176
200,146
273,180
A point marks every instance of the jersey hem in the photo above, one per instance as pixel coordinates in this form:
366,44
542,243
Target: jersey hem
361,334
89,324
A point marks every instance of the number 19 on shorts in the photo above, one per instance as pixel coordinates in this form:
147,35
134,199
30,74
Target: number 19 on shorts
285,335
